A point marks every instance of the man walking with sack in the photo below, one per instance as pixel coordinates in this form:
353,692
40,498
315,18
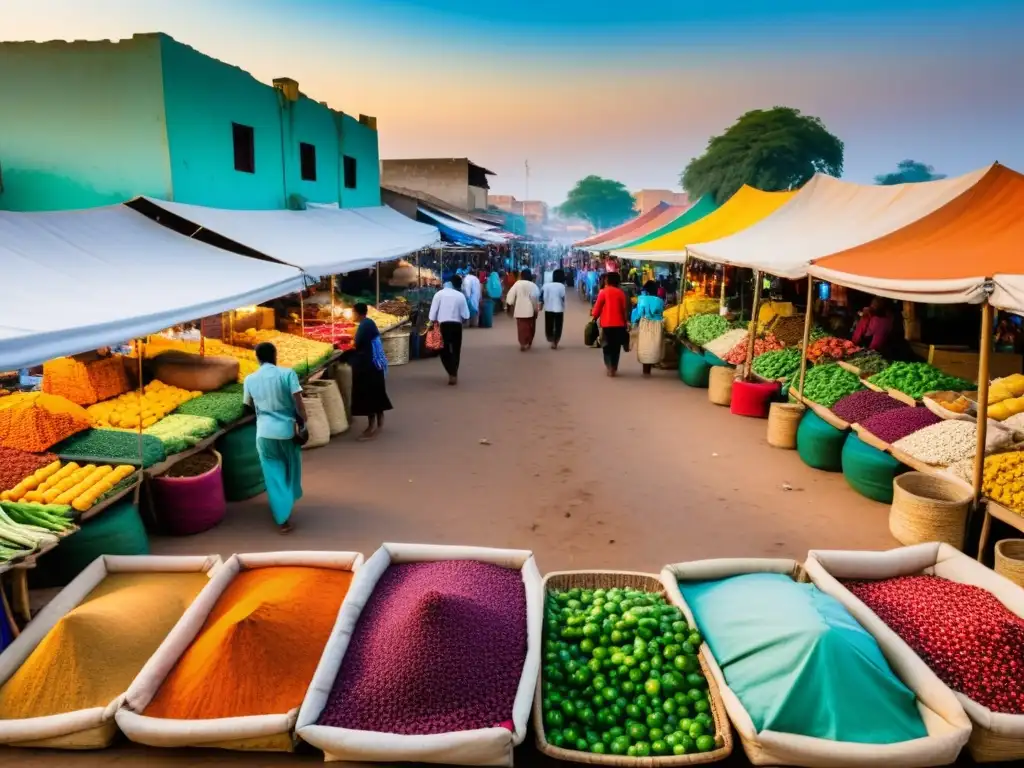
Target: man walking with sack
449,309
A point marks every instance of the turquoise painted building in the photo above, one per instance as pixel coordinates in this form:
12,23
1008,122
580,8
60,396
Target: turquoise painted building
95,123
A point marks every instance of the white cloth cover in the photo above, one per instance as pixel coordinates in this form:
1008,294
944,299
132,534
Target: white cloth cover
826,567
485,746
1008,293
320,241
944,719
828,216
165,732
39,728
78,280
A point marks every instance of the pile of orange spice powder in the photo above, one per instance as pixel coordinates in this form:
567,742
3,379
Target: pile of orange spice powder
259,647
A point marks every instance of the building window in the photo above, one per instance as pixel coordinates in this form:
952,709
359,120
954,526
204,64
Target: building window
307,159
245,148
350,171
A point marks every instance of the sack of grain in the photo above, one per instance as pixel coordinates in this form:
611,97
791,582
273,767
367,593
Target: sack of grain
194,372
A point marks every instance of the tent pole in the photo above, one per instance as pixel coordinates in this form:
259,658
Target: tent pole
377,270
807,334
755,310
984,356
334,320
721,297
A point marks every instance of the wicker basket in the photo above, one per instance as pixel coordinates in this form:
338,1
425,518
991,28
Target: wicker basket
783,422
928,508
649,583
720,385
316,422
1010,560
396,347
334,406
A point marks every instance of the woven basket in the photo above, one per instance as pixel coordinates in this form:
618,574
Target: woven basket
648,583
720,385
190,505
316,422
783,421
928,508
342,374
396,347
1010,560
334,406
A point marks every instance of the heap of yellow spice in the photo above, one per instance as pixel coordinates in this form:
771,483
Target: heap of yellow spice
1004,479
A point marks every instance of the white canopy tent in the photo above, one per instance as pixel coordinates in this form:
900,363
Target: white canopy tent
828,216
78,280
321,240
477,231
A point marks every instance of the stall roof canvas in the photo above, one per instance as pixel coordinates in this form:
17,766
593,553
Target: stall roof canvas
622,229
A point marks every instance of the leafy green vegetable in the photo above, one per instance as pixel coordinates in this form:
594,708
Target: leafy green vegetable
224,406
700,329
917,379
113,445
827,384
778,363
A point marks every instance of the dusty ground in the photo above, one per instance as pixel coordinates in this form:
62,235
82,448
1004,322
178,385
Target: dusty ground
586,471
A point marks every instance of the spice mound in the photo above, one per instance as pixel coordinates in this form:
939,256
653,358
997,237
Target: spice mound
259,647
439,647
973,642
91,656
35,421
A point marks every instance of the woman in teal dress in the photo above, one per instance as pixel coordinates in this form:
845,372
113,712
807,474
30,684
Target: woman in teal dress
648,318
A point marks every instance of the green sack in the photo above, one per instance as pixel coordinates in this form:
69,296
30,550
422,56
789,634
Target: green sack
800,663
240,463
869,471
819,444
118,530
714,359
694,370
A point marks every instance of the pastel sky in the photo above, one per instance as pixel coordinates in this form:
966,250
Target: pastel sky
628,90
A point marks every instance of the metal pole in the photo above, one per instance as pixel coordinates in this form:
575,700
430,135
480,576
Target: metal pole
378,283
985,350
807,334
753,324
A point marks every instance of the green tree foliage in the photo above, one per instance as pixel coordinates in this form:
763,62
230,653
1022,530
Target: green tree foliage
603,202
770,149
909,172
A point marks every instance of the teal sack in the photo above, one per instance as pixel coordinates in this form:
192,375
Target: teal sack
869,471
819,444
714,359
800,663
694,370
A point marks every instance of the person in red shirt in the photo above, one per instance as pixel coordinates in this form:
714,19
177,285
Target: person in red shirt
611,312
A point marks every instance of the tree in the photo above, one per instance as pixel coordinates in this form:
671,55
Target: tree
603,202
770,149
909,172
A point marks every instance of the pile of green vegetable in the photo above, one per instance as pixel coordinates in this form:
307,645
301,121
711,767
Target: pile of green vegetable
111,445
27,526
179,432
868,361
778,364
917,379
224,406
827,384
817,332
700,329
621,676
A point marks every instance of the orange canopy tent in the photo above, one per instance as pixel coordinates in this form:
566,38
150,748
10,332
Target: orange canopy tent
623,229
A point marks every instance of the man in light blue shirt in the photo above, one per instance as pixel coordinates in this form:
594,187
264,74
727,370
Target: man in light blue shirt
275,394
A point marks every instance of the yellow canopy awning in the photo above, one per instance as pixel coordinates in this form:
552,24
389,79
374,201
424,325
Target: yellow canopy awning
748,206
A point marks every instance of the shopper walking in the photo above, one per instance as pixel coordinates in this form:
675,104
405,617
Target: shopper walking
369,372
471,289
275,394
610,311
523,301
450,310
648,316
552,297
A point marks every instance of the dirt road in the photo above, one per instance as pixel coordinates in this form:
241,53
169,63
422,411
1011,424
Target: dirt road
586,471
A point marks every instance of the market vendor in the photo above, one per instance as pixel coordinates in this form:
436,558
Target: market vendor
275,394
874,328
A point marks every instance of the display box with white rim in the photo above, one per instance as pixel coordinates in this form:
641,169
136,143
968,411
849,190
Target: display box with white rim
996,736
481,746
270,732
91,728
944,719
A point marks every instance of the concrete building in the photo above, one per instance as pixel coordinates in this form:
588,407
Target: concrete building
94,123
457,181
534,211
646,199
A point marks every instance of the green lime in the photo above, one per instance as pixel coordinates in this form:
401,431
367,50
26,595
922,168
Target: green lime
697,730
582,745
687,743
634,712
678,749
555,738
643,749
628,687
553,718
587,645
655,719
570,734
655,733
636,675
652,687
659,747
695,694
637,732
701,706
631,752
669,706
597,748
705,743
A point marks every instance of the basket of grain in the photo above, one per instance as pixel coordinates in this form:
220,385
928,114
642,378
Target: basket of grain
334,406
189,497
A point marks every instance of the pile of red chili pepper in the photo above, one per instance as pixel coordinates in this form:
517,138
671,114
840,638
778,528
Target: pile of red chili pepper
16,465
342,335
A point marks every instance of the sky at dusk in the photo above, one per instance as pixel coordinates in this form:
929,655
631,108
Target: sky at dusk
625,90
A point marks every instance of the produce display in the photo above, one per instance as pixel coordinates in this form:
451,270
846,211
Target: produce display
868,361
778,364
789,330
953,402
70,484
917,379
134,408
950,441
384,319
85,383
90,657
1004,479
179,432
25,528
896,423
827,384
973,642
738,354
340,335
439,647
112,445
700,329
1010,388
1006,409
817,332
863,404
292,351
56,518
36,421
720,347
269,624
225,406
16,465
621,675
830,348
395,307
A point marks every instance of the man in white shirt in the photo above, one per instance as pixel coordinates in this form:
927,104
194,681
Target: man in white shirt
523,301
472,291
552,299
449,309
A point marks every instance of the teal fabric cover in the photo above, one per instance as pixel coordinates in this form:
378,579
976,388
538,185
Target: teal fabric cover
714,359
694,370
800,663
869,471
819,444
